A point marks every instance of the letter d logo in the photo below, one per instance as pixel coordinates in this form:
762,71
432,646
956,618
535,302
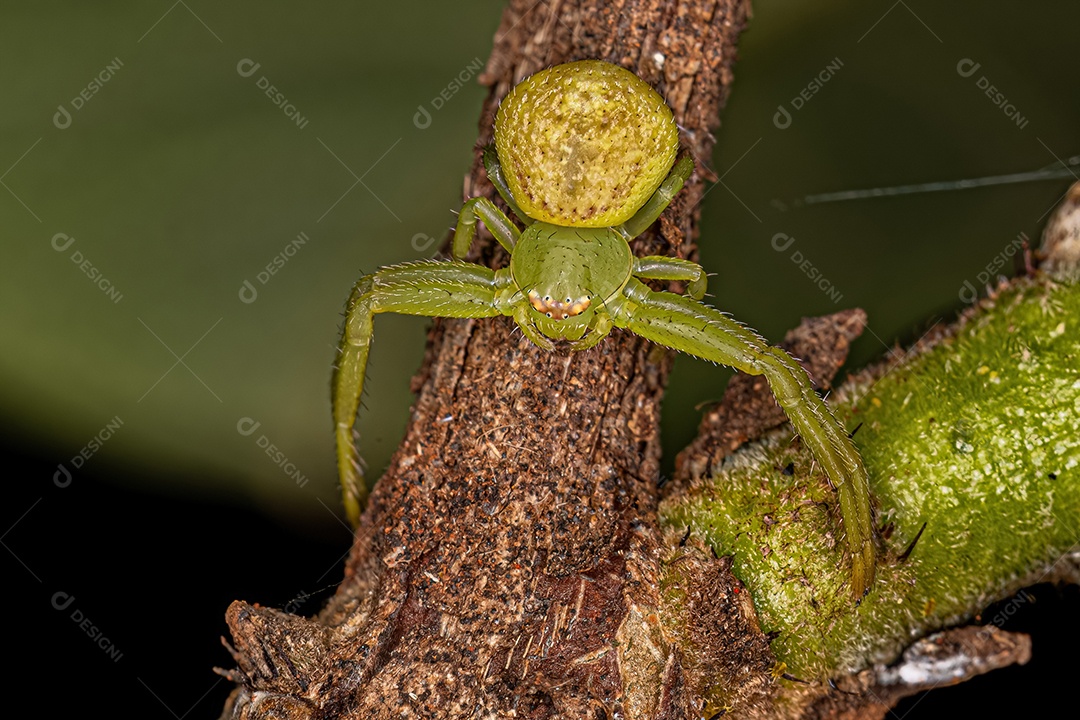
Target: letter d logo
61,242
62,118
967,67
782,118
246,426
422,118
248,293
62,601
62,477
781,242
247,67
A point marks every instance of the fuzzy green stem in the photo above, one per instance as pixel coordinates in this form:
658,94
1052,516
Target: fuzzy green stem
975,437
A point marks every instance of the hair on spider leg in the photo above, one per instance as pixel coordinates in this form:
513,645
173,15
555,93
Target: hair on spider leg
792,441
682,542
852,433
515,330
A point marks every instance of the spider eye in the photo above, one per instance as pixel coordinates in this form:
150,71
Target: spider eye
567,301
547,298
549,314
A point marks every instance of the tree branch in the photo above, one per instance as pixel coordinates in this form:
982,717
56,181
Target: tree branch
507,561
511,561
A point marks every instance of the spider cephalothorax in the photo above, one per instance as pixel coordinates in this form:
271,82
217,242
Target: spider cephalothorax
585,156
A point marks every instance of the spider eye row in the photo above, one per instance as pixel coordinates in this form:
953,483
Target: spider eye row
556,309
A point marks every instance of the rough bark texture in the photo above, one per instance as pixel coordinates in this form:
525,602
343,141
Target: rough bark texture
507,564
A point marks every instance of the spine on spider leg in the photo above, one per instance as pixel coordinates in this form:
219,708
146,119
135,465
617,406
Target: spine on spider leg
348,385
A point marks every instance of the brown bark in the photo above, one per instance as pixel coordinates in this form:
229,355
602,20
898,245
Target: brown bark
508,561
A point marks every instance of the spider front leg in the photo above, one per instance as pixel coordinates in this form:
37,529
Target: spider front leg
498,179
659,267
481,208
691,327
647,213
431,288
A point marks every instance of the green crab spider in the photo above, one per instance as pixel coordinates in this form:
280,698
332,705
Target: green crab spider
584,155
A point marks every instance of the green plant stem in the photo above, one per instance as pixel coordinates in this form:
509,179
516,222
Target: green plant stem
975,437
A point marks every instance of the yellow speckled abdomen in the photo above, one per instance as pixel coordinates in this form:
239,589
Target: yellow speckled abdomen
584,144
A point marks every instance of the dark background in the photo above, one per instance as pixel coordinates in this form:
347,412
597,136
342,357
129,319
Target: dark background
179,180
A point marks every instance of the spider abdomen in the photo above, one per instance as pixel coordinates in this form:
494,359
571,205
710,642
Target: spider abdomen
584,144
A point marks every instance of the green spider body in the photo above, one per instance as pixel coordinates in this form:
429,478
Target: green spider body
568,274
585,157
